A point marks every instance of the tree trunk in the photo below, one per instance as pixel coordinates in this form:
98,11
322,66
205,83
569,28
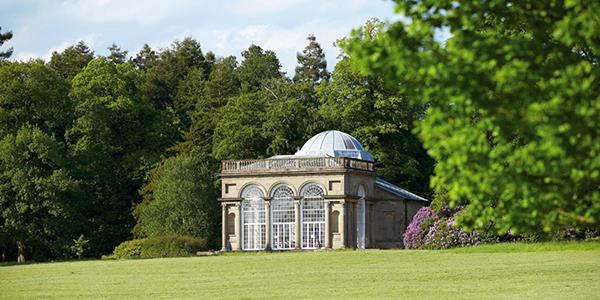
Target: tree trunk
21,253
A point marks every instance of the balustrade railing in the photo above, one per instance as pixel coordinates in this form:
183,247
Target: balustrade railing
253,165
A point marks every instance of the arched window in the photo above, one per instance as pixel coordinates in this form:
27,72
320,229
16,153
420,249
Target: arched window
313,217
253,218
360,219
283,219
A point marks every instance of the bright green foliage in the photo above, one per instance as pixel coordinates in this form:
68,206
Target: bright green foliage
182,201
238,133
382,119
35,94
275,120
514,105
3,38
312,66
80,246
115,139
258,66
160,246
35,188
72,60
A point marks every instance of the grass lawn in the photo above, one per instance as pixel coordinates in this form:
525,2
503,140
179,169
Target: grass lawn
551,270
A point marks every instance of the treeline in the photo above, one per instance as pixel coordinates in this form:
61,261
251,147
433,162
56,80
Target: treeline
95,150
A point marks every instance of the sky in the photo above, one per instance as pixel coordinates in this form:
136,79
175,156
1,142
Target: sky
225,27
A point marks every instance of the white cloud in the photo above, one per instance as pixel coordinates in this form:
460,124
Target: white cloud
143,12
263,7
89,40
284,41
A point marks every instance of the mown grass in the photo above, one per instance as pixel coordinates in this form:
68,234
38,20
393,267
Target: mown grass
542,271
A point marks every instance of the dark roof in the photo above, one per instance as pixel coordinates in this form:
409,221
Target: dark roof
396,190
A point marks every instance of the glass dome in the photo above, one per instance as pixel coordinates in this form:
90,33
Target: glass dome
334,143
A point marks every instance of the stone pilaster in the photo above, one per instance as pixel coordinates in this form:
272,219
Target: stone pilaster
298,224
343,224
223,227
268,225
327,225
238,226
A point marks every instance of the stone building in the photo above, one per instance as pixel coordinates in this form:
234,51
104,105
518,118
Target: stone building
327,195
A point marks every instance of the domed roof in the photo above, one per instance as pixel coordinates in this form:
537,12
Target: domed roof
336,144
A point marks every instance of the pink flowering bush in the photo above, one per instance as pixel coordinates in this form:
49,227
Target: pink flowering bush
439,231
414,234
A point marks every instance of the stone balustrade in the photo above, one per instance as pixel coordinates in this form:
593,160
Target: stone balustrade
294,164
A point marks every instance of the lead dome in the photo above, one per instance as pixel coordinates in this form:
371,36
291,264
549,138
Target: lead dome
334,143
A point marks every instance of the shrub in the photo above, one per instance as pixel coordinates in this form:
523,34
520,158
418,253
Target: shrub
414,234
432,230
444,234
160,246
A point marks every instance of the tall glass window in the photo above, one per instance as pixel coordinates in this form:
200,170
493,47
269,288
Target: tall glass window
283,228
313,217
253,218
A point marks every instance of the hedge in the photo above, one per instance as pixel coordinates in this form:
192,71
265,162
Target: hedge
160,246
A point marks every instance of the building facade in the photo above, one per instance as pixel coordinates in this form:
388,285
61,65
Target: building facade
327,195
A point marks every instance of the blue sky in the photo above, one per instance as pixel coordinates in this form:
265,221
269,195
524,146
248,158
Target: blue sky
225,27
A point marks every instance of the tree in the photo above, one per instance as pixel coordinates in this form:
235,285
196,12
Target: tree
289,119
171,67
116,138
258,66
312,66
144,59
116,56
3,38
32,93
183,200
72,60
382,119
223,81
238,133
514,104
189,92
35,192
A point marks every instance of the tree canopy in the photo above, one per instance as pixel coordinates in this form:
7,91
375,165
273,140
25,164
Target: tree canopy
513,103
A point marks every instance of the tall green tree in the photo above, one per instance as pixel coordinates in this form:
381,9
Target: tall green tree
258,65
190,91
182,201
3,38
514,105
382,119
222,84
37,213
223,81
144,59
238,133
172,66
72,60
32,93
116,138
312,66
116,55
